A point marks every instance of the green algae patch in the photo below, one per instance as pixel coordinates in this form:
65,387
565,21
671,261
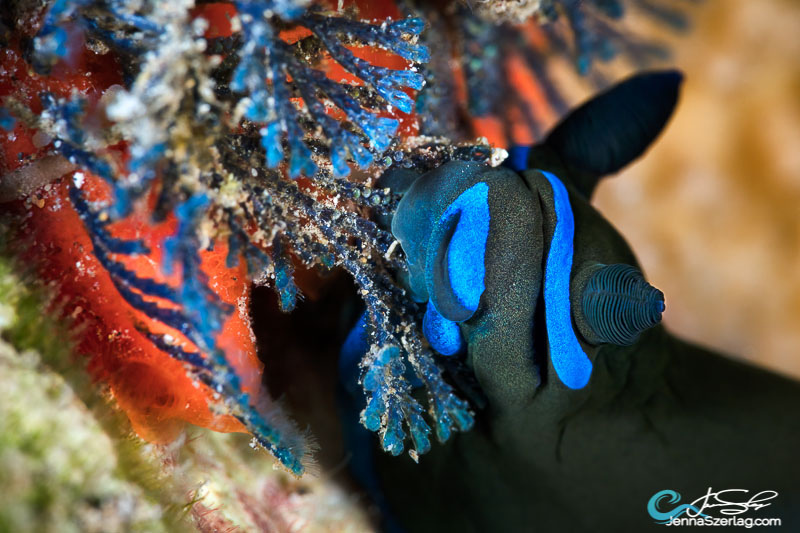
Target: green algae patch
67,461
58,468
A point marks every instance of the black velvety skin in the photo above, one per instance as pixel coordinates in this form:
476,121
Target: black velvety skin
660,414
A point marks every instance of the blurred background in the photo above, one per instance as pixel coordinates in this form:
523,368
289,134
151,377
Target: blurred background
713,210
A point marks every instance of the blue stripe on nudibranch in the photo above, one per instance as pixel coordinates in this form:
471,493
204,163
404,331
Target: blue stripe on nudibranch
443,334
571,363
466,251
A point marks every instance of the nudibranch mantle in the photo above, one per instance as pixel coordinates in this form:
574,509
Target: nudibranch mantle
442,334
459,260
504,260
466,250
454,273
571,363
445,223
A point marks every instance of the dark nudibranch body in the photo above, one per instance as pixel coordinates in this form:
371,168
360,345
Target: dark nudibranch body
445,224
469,232
589,407
480,248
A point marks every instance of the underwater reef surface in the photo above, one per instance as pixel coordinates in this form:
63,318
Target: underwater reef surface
69,462
59,468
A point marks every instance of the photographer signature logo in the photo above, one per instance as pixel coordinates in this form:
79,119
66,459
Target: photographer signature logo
714,508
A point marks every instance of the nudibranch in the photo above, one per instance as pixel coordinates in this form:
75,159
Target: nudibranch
520,278
590,407
482,245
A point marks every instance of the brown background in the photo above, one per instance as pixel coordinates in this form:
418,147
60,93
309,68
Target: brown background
713,210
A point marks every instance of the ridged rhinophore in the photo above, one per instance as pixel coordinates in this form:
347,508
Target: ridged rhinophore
618,304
